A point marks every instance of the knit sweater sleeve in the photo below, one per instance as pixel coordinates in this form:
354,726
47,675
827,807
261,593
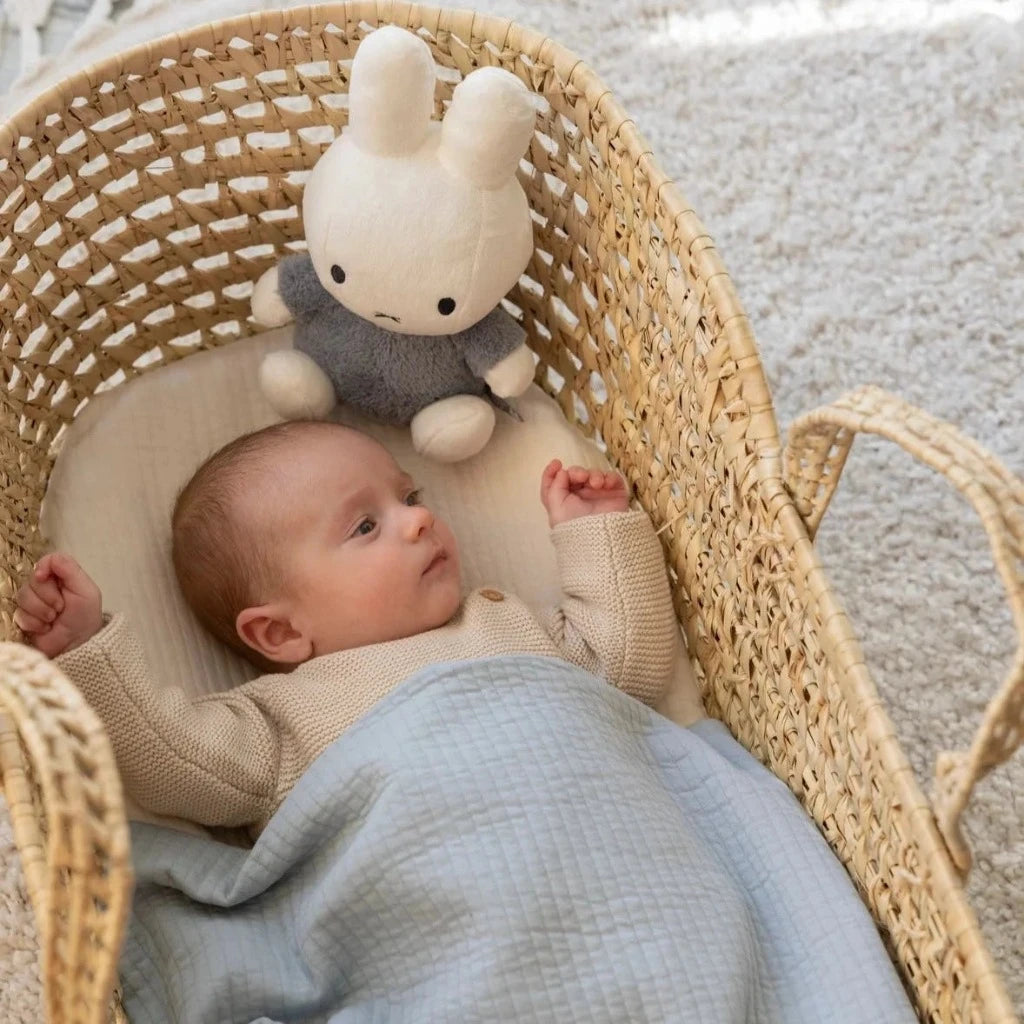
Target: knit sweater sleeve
616,618
212,760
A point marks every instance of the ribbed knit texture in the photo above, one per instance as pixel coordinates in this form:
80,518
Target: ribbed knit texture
230,758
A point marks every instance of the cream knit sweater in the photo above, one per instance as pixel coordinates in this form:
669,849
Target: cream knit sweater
230,758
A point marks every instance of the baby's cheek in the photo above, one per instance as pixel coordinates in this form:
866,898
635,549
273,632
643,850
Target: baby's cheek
381,604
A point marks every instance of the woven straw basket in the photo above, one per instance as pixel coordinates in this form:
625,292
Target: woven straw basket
124,197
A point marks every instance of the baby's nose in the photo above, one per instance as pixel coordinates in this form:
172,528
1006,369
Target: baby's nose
421,519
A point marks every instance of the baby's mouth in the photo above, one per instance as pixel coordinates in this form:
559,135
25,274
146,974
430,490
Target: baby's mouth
440,557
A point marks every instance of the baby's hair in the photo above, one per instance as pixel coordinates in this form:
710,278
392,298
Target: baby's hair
223,566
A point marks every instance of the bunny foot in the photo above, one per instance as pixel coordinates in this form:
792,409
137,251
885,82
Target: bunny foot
453,429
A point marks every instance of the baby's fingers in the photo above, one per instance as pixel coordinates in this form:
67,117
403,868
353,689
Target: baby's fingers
594,479
550,470
546,477
37,605
29,623
48,591
67,573
559,485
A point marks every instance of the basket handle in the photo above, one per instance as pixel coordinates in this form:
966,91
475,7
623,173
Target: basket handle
816,451
58,770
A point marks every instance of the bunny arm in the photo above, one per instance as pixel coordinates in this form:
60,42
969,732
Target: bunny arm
268,308
295,386
513,375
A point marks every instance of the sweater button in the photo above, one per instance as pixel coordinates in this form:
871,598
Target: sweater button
492,595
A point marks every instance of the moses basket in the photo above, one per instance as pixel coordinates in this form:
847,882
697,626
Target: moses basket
642,341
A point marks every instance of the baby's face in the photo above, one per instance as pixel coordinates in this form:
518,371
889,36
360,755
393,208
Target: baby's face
363,559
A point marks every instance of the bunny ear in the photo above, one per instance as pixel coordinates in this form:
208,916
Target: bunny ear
487,127
391,94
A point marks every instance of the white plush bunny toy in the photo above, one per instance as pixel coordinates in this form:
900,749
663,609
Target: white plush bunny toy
416,229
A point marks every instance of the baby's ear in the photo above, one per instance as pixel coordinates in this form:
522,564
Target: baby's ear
391,94
268,631
487,127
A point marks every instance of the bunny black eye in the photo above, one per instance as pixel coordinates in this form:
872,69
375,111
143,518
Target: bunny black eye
338,274
446,306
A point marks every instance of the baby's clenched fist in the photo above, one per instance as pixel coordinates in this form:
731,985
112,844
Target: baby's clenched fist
578,491
58,606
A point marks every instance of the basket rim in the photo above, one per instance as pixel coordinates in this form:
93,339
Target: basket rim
451,19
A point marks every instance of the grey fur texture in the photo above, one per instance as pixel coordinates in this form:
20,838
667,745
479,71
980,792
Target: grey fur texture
385,375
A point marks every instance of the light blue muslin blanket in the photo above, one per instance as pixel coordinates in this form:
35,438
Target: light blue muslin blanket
511,839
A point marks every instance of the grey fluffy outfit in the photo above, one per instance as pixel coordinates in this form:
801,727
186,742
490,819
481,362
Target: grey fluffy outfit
386,375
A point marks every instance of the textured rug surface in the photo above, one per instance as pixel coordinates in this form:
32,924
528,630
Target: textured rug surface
859,164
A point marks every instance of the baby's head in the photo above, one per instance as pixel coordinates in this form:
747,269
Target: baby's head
307,538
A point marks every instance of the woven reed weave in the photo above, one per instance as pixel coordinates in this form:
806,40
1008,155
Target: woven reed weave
138,203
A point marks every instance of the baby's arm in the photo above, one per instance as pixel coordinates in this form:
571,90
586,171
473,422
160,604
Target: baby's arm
212,760
616,618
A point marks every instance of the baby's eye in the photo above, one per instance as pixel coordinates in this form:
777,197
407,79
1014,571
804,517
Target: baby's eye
415,497
366,533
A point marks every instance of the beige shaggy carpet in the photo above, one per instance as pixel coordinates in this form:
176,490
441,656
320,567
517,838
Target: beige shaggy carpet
860,165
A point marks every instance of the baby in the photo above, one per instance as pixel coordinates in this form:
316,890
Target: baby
305,547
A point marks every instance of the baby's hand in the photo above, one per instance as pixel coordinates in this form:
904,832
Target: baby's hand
59,606
576,491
